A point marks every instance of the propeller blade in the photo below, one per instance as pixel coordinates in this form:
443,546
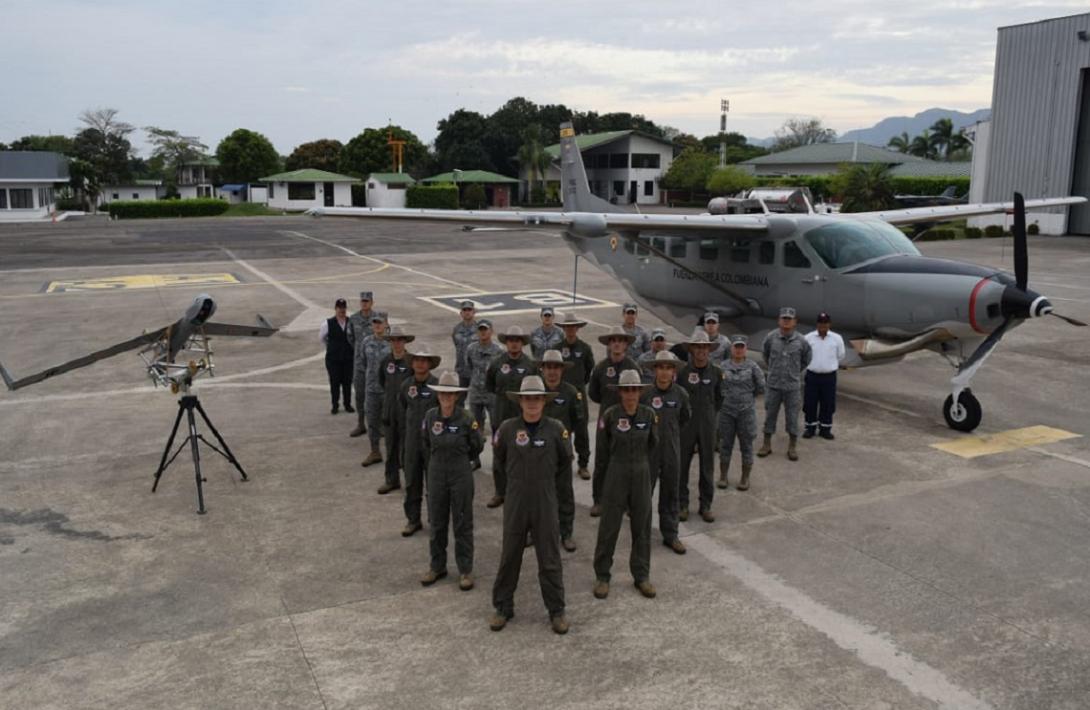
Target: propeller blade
1021,254
1069,319
970,366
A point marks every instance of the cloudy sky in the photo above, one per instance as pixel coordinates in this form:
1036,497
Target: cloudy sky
298,70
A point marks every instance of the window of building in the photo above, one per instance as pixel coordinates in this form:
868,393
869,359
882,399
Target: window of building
766,253
648,187
272,190
709,249
115,196
601,160
22,198
300,191
618,187
3,199
136,195
645,160
793,257
678,248
618,160
739,251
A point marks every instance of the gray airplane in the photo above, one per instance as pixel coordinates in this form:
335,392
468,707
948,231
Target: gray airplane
160,349
889,299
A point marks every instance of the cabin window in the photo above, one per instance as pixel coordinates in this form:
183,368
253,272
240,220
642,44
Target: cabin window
739,252
843,243
709,249
766,253
678,248
793,258
629,245
641,247
3,199
658,243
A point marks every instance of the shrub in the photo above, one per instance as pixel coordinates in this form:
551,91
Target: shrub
928,185
443,197
729,180
154,209
973,233
936,235
474,198
993,230
864,187
1033,228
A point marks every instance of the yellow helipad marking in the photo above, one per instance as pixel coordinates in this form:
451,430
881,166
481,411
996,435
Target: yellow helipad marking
115,283
972,446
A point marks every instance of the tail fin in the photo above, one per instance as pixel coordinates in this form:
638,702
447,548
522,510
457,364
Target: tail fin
950,191
573,177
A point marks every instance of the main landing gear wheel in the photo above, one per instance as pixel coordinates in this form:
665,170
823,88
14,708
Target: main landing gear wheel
963,415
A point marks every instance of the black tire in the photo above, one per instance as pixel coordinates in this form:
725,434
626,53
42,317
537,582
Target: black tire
966,415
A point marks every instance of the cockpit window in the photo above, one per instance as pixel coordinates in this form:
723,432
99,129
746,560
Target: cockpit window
843,243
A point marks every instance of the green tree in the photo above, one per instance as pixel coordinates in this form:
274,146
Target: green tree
797,132
863,187
729,181
104,151
922,146
461,142
369,153
473,197
55,144
322,154
170,151
246,156
900,143
941,134
690,171
505,132
533,156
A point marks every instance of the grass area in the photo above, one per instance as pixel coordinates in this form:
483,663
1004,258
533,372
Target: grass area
249,209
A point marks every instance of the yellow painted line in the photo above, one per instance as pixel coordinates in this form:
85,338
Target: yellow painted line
114,283
972,446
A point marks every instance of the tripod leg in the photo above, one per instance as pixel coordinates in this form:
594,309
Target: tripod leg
166,451
196,461
226,448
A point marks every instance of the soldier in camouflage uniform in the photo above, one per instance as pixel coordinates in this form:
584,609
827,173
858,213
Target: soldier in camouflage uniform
463,335
414,398
670,402
504,375
394,369
606,373
581,356
658,344
375,350
641,342
703,380
359,332
547,336
786,355
742,382
721,343
567,408
479,355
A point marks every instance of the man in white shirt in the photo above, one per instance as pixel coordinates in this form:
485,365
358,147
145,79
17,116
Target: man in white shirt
819,395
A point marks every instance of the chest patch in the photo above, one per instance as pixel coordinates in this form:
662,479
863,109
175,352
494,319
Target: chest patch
425,392
693,378
623,424
505,368
412,391
611,372
707,382
559,400
565,353
391,369
641,425
539,443
520,370
437,427
522,438
656,402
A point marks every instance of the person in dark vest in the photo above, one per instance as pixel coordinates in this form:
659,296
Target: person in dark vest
338,356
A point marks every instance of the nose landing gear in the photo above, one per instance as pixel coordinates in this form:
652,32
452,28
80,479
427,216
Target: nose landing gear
962,413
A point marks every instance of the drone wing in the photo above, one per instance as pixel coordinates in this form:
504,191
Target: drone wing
131,344
263,330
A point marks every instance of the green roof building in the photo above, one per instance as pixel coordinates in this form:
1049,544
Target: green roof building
307,188
826,158
497,188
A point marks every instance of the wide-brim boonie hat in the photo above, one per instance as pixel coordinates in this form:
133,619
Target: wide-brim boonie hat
563,319
396,332
616,331
530,386
448,382
699,337
663,357
629,379
423,351
515,332
553,357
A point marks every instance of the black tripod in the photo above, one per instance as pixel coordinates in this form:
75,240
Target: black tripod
187,403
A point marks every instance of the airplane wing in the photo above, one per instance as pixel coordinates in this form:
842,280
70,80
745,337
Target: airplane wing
131,344
951,212
254,331
582,223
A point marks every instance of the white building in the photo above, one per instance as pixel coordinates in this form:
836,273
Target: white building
195,178
387,189
307,188
622,166
27,183
132,190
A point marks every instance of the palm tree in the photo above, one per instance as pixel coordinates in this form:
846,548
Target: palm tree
922,145
864,187
960,147
900,143
942,133
535,158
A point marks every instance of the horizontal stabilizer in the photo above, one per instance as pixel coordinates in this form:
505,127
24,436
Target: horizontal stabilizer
131,344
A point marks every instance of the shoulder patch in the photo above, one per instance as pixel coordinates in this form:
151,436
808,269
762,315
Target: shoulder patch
565,434
579,396
474,426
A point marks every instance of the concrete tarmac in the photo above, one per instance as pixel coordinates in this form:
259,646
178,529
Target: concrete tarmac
877,572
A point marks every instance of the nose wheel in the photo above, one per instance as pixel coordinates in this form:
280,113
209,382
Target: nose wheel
963,413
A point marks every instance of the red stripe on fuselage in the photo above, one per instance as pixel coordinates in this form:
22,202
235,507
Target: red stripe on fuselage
972,304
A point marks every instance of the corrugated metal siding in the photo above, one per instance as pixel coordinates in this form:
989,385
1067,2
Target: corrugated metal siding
1035,104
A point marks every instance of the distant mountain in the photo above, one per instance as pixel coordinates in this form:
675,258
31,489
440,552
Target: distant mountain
887,128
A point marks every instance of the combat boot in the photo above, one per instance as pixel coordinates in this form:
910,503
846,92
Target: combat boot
792,450
723,468
431,577
387,487
498,621
646,588
766,447
361,427
809,432
465,582
373,457
584,473
559,623
743,485
601,589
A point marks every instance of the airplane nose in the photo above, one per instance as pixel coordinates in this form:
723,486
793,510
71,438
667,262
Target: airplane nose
1018,303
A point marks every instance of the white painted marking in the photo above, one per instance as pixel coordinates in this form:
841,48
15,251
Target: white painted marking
290,292
880,405
1062,457
872,647
410,270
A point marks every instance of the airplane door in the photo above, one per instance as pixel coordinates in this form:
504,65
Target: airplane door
803,283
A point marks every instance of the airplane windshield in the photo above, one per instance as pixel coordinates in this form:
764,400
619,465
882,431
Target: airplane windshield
843,243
